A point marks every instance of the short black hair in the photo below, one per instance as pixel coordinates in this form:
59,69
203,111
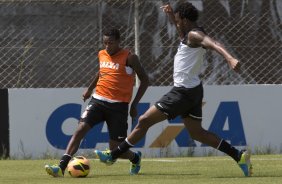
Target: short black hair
187,10
112,32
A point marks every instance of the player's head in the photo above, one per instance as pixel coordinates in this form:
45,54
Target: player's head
185,13
111,40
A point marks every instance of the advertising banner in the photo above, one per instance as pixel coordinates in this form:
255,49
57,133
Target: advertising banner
43,120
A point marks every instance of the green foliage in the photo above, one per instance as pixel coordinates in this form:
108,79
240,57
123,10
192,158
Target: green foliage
193,170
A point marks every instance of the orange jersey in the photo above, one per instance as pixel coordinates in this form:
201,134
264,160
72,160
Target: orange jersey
116,80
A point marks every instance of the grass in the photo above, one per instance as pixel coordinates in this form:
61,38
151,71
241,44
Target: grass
193,170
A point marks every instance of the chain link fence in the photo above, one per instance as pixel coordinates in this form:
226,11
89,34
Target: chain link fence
54,43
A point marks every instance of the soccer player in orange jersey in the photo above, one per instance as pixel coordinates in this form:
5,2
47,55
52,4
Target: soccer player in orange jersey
109,102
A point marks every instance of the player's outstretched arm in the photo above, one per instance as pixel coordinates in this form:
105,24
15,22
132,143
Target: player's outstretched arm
133,62
198,38
169,11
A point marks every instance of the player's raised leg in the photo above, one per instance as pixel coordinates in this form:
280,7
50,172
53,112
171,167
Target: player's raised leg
151,117
245,163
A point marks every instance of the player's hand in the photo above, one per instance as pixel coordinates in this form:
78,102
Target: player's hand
167,9
86,94
234,64
133,111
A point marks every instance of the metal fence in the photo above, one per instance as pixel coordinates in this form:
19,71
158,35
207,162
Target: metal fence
54,43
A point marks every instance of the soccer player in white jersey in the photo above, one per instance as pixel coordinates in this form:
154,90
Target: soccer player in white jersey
185,98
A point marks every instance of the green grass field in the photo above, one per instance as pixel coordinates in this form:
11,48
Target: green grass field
192,170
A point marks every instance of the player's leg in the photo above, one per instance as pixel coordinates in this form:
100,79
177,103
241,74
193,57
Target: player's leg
74,143
58,170
152,116
193,121
197,132
168,107
116,118
91,116
149,118
133,157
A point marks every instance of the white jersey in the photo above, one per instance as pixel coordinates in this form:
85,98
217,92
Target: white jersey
187,66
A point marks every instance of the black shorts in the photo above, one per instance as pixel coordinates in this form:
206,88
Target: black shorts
182,101
114,114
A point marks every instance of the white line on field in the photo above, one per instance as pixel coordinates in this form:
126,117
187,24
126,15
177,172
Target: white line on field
204,159
149,160
194,159
160,160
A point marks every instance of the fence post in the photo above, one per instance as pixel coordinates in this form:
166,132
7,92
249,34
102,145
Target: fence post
136,31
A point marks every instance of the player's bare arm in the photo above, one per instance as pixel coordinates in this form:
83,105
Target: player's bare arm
198,38
169,11
88,92
134,63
